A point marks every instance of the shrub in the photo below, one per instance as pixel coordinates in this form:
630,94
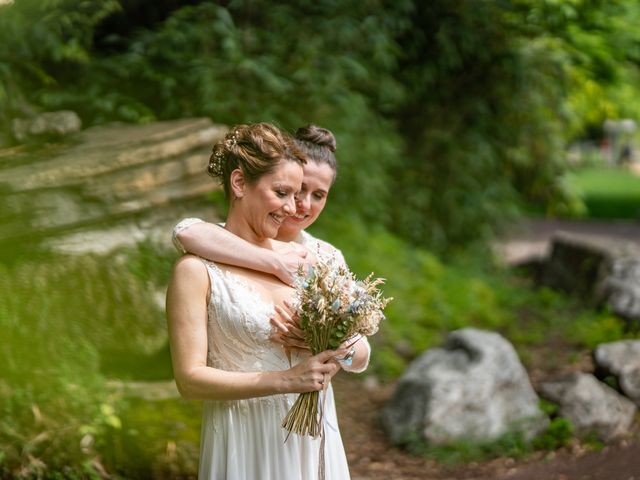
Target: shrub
57,316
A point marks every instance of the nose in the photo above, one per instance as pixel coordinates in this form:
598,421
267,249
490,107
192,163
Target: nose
303,202
290,205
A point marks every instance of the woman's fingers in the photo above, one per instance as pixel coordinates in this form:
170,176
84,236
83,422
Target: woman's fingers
288,327
288,341
316,372
296,333
291,311
281,327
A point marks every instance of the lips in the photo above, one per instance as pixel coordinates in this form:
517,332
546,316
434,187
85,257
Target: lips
277,218
298,217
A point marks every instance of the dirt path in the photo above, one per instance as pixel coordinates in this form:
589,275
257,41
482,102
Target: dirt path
371,457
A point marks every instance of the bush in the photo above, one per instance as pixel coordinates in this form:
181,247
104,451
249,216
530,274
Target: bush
57,317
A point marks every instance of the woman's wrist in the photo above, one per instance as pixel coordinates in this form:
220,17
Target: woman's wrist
350,345
278,381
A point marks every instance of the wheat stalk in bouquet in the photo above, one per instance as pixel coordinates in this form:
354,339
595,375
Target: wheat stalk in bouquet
332,307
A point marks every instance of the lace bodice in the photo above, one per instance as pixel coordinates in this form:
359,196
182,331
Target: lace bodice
238,327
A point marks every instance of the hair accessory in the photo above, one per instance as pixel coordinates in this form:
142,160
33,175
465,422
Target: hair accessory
231,141
216,162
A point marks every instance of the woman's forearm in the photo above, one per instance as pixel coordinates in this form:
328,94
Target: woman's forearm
206,383
219,245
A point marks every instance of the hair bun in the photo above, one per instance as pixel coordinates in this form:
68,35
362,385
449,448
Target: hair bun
317,135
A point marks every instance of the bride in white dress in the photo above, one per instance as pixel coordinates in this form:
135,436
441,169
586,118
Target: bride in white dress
219,328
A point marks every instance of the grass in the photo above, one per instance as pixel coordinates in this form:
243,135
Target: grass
607,192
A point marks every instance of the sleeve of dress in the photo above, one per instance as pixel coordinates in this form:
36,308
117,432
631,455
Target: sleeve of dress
180,226
340,257
325,251
363,341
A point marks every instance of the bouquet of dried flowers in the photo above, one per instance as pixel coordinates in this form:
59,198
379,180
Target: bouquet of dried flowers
333,307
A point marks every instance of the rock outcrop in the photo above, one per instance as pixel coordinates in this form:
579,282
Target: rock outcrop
114,185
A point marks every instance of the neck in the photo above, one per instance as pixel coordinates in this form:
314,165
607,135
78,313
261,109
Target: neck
290,236
237,225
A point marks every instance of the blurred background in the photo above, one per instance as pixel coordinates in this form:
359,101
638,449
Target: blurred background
457,123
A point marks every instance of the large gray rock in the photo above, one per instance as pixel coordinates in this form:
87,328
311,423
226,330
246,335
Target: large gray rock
473,388
622,360
590,405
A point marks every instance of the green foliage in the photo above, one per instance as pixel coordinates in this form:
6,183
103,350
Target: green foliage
44,44
227,64
559,432
150,262
485,119
158,439
57,317
591,330
512,445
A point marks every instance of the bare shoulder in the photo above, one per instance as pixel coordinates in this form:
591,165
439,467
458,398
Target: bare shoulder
190,267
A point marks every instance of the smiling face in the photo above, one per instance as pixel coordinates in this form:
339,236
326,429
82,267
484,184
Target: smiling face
310,201
260,208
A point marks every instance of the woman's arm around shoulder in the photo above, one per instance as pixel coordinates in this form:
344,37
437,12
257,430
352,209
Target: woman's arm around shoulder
215,243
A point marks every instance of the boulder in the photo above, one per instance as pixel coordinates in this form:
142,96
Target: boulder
472,388
622,360
590,405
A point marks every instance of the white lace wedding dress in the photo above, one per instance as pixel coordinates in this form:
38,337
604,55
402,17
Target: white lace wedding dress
243,439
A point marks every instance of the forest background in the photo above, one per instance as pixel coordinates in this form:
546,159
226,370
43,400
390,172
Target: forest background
453,120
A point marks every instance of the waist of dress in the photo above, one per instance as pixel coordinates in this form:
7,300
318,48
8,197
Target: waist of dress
284,400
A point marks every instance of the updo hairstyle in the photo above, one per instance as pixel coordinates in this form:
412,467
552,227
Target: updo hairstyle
256,149
319,144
